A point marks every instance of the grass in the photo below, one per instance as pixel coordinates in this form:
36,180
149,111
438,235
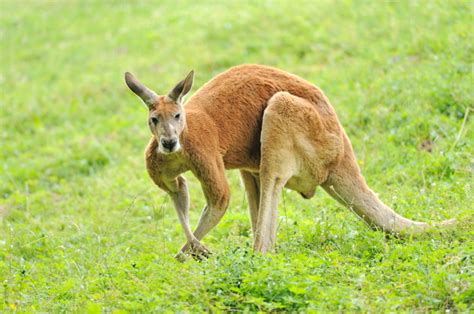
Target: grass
82,228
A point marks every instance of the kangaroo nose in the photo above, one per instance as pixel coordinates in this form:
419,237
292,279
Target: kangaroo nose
168,144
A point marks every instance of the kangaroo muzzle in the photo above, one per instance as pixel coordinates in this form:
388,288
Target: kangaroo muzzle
168,145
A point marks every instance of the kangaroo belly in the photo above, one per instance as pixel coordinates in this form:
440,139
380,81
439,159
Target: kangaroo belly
306,186
308,173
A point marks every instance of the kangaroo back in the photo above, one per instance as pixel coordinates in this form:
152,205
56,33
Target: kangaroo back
235,101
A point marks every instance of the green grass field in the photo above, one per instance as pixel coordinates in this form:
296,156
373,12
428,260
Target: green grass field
82,227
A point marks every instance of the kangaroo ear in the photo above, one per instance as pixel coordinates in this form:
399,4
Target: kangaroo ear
147,95
182,88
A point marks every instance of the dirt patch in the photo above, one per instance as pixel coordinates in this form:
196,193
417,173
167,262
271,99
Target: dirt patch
426,145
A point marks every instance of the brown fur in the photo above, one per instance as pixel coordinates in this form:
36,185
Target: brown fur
279,130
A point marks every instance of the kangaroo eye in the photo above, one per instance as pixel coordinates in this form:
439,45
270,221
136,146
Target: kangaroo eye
177,116
154,120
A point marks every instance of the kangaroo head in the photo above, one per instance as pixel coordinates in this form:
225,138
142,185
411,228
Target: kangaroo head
166,118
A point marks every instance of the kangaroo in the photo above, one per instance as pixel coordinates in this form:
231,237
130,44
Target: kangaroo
277,129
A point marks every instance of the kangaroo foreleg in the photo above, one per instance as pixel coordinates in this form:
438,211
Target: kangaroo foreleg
216,190
180,198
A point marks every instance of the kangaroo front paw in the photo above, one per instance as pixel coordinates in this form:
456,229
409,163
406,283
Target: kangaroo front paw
194,248
199,251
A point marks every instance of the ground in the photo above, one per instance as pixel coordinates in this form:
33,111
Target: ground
83,228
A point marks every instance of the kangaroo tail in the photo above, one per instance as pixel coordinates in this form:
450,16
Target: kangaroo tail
346,184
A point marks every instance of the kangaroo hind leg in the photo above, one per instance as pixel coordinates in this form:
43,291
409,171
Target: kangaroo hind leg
252,189
277,166
265,233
